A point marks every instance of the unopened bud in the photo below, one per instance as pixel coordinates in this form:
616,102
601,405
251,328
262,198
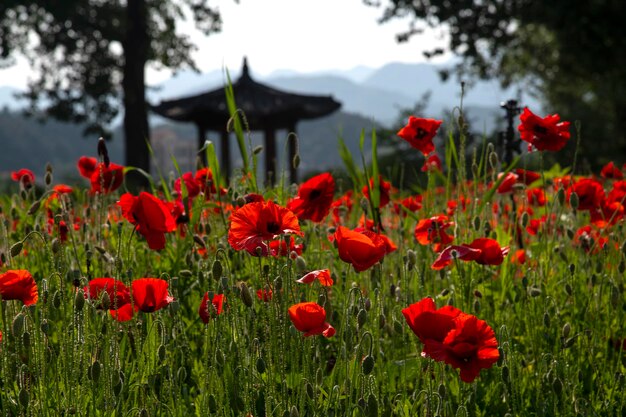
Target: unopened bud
411,257
560,195
246,297
216,269
79,299
18,324
368,365
361,318
493,160
524,219
33,208
567,328
257,149
300,264
573,200
16,248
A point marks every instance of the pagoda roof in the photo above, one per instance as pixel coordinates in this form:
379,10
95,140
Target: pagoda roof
264,107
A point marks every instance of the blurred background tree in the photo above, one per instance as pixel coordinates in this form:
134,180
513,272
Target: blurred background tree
569,54
91,55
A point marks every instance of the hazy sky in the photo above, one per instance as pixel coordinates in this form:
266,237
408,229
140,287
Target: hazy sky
301,35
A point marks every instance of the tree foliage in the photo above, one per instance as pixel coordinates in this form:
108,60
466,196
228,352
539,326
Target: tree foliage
90,56
572,54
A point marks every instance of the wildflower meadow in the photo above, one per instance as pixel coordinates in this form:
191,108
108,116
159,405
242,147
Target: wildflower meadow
493,290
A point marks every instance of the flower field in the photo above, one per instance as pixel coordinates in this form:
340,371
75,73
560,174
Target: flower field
495,290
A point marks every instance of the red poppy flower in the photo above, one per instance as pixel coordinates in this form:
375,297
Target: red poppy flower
310,318
264,295
411,203
151,217
116,291
590,193
217,306
545,134
518,257
419,133
322,275
506,186
204,180
470,346
192,187
255,223
536,197
610,171
427,322
314,198
449,254
609,213
526,177
433,231
432,163
25,176
103,178
18,284
150,294
490,251
384,188
359,249
590,239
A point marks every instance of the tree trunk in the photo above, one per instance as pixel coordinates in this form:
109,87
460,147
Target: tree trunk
136,133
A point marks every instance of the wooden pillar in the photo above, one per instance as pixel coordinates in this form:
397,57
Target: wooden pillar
270,156
225,150
293,148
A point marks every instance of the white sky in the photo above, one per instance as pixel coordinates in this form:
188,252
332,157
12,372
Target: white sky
300,35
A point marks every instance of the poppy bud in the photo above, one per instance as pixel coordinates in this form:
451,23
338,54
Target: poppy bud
506,375
257,149
569,342
615,296
56,299
161,353
546,319
368,365
560,195
534,291
524,219
224,282
321,300
444,292
557,386
199,241
296,160
566,330
260,365
185,273
144,413
364,203
18,324
278,283
476,306
319,376
55,245
573,200
33,208
397,326
294,412
382,320
45,327
93,372
23,397
450,302
245,294
16,248
476,223
79,299
411,257
474,170
568,289
309,390
300,264
361,318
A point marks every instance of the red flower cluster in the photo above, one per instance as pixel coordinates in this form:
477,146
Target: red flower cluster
149,295
433,231
103,177
454,337
545,134
151,217
314,198
310,318
18,284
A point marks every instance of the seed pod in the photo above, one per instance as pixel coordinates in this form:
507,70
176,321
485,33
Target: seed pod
48,178
560,195
161,353
568,289
33,208
26,339
16,248
257,149
477,223
368,365
476,306
546,319
567,328
361,318
56,299
294,412
573,200
300,264
246,297
296,160
45,326
94,371
185,273
260,365
23,397
309,390
79,299
557,386
18,324
506,374
216,269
